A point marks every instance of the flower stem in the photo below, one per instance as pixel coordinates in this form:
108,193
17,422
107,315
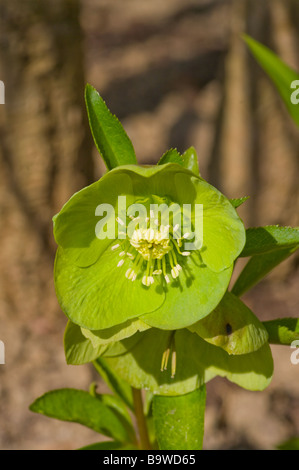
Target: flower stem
140,418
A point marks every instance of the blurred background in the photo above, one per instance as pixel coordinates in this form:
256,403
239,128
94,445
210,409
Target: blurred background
176,74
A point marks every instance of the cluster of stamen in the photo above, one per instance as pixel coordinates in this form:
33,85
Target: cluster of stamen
153,248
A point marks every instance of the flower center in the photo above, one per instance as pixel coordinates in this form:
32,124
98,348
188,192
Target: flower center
152,248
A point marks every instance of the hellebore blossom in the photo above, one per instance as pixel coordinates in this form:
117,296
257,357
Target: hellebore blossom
144,273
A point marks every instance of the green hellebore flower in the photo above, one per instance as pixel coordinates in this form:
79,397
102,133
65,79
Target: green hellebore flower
143,269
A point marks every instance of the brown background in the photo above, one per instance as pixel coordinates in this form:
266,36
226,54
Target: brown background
176,74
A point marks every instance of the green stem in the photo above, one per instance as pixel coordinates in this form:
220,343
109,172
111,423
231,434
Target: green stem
140,418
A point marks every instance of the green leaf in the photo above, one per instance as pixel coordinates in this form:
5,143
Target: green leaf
80,407
197,362
282,330
171,156
290,444
109,136
232,326
281,74
179,421
79,349
267,239
116,384
190,160
117,405
258,267
109,445
238,202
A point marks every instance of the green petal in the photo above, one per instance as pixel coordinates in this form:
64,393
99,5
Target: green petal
78,349
196,362
115,333
100,296
232,326
223,230
190,297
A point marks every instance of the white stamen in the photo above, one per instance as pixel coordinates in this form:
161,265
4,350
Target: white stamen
186,235
157,271
176,227
128,272
114,247
120,263
118,219
185,253
167,279
174,273
122,253
130,255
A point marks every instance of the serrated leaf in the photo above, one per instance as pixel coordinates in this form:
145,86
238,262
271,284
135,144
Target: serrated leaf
171,156
267,239
239,201
109,136
282,330
281,74
179,421
116,384
80,407
258,267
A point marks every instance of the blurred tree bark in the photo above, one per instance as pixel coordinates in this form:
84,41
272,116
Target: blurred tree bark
45,146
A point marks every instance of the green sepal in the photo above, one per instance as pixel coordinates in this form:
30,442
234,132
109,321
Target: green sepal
232,326
115,333
197,362
77,348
